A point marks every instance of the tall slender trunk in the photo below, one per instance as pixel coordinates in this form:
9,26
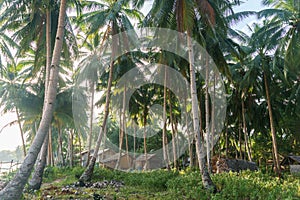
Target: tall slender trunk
273,132
60,154
245,132
164,131
189,139
70,148
173,133
145,137
134,145
37,177
50,160
240,139
226,139
104,140
206,180
207,112
80,148
122,128
87,174
21,132
14,188
213,117
92,89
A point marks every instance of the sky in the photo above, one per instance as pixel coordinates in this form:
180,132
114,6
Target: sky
10,136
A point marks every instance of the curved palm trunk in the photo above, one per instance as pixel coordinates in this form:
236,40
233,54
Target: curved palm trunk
206,180
87,174
37,177
273,133
14,188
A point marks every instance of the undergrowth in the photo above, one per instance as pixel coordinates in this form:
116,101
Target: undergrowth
162,184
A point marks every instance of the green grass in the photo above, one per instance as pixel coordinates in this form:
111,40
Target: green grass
161,184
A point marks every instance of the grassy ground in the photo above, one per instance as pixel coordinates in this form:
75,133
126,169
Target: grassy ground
160,184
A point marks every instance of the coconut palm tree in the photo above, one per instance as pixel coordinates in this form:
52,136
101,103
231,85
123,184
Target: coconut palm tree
182,16
114,17
15,187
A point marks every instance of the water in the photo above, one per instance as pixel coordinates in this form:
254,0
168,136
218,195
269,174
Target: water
7,167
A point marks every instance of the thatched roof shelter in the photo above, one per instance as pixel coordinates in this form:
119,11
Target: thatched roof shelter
153,162
125,161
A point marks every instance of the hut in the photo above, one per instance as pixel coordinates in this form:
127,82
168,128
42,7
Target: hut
234,165
292,162
84,156
153,162
125,161
104,154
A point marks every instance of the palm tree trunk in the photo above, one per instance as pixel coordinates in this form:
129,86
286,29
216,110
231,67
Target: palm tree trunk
14,188
92,89
213,117
226,139
273,133
206,180
145,137
70,148
245,132
121,134
61,161
207,112
37,177
50,151
21,131
87,174
164,131
189,139
134,145
80,149
48,47
173,134
240,140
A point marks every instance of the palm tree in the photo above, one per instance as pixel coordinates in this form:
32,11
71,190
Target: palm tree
263,42
11,95
113,15
181,16
15,187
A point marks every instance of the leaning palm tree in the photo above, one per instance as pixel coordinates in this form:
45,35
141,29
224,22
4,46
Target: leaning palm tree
14,188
